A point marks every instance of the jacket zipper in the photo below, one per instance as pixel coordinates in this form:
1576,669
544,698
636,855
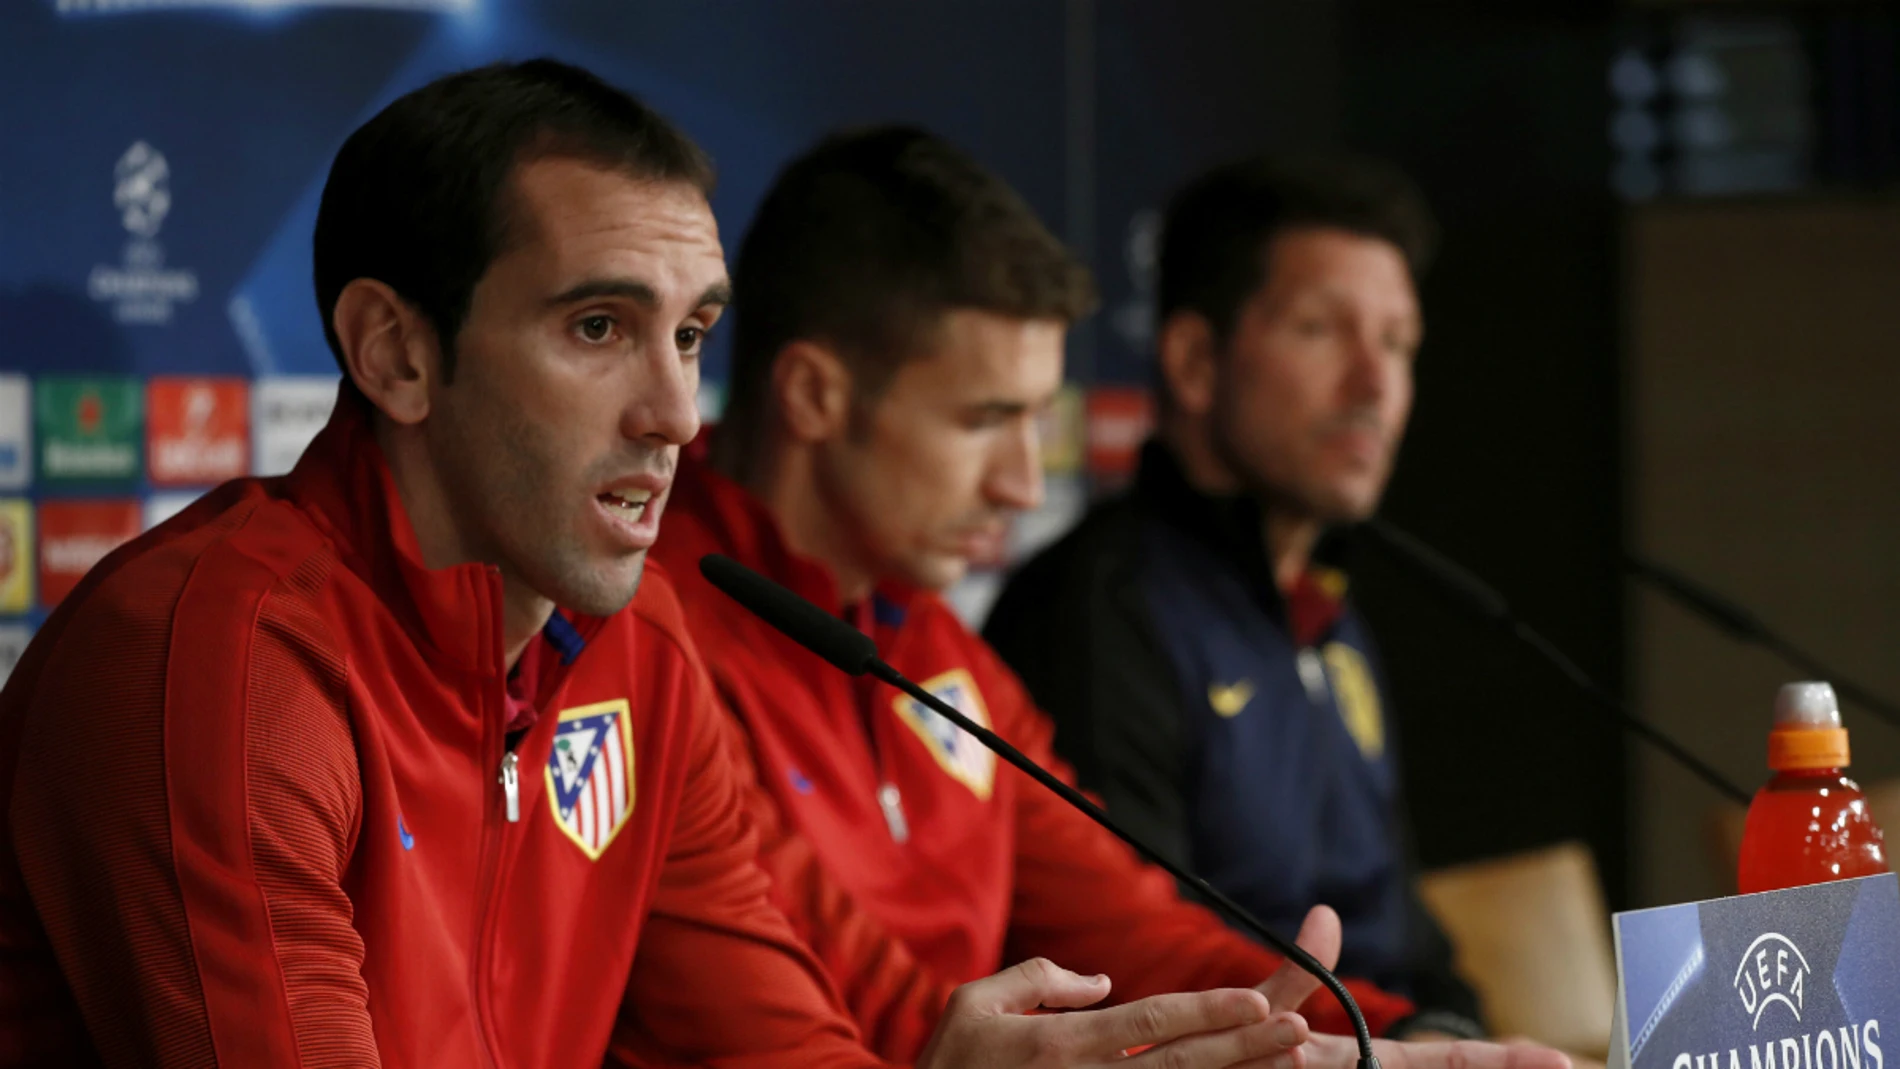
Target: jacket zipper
890,800
511,786
493,709
1313,676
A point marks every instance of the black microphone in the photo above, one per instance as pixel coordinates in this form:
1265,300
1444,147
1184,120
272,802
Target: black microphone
854,652
1745,626
1484,602
847,648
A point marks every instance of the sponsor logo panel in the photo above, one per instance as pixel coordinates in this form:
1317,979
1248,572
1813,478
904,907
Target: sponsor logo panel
16,432
75,535
88,427
197,430
287,411
16,554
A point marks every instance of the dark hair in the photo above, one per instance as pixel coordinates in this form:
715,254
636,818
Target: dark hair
1215,236
866,241
418,196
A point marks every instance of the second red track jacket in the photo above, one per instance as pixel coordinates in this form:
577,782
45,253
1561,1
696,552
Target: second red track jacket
884,820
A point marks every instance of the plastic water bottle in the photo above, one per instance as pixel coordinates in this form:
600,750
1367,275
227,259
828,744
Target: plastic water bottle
1810,823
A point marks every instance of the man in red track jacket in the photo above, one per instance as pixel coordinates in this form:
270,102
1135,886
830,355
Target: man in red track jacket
900,327
396,760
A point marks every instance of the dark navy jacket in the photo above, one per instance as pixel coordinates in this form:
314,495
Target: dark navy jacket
1156,638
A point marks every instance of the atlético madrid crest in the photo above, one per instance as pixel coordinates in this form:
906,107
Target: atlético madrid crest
590,774
965,759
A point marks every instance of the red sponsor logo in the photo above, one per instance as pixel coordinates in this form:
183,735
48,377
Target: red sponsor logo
198,430
74,535
1120,419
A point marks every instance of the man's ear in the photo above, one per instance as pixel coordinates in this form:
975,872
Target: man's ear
1186,351
389,348
811,389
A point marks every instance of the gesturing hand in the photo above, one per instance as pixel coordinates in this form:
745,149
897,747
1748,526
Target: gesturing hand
984,1026
1290,985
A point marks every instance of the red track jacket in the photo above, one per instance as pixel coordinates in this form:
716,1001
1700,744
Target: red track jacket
255,816
881,819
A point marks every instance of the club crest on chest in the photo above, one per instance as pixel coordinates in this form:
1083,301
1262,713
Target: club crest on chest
590,774
959,754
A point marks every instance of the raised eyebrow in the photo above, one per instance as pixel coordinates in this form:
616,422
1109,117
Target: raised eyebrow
593,289
718,294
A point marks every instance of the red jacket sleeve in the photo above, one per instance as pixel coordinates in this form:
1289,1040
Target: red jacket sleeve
1085,899
895,999
185,802
720,978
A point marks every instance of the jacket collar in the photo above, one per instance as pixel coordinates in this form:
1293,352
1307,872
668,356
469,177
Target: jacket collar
343,483
729,519
1231,527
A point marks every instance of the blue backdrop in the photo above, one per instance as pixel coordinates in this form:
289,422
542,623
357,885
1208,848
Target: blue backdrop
1091,110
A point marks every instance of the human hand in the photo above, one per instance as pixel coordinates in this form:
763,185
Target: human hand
1342,1052
985,1026
1320,935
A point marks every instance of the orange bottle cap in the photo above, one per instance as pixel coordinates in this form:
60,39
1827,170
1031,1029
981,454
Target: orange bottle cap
1807,731
1791,749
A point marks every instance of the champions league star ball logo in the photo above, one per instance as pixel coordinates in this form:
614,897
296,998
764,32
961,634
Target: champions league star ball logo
1134,319
141,289
1773,970
141,190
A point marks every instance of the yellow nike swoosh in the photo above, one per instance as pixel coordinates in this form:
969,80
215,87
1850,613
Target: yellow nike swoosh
1230,699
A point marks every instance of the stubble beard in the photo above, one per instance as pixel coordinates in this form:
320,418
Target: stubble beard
519,526
1292,498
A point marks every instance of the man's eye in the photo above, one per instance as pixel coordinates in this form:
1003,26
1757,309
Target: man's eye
595,328
689,339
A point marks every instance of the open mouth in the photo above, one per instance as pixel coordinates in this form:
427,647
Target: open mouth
630,504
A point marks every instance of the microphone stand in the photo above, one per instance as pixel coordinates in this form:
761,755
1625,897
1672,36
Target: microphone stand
1484,602
1745,626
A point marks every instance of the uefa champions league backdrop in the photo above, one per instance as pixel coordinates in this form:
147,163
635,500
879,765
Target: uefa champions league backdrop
165,157
161,163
